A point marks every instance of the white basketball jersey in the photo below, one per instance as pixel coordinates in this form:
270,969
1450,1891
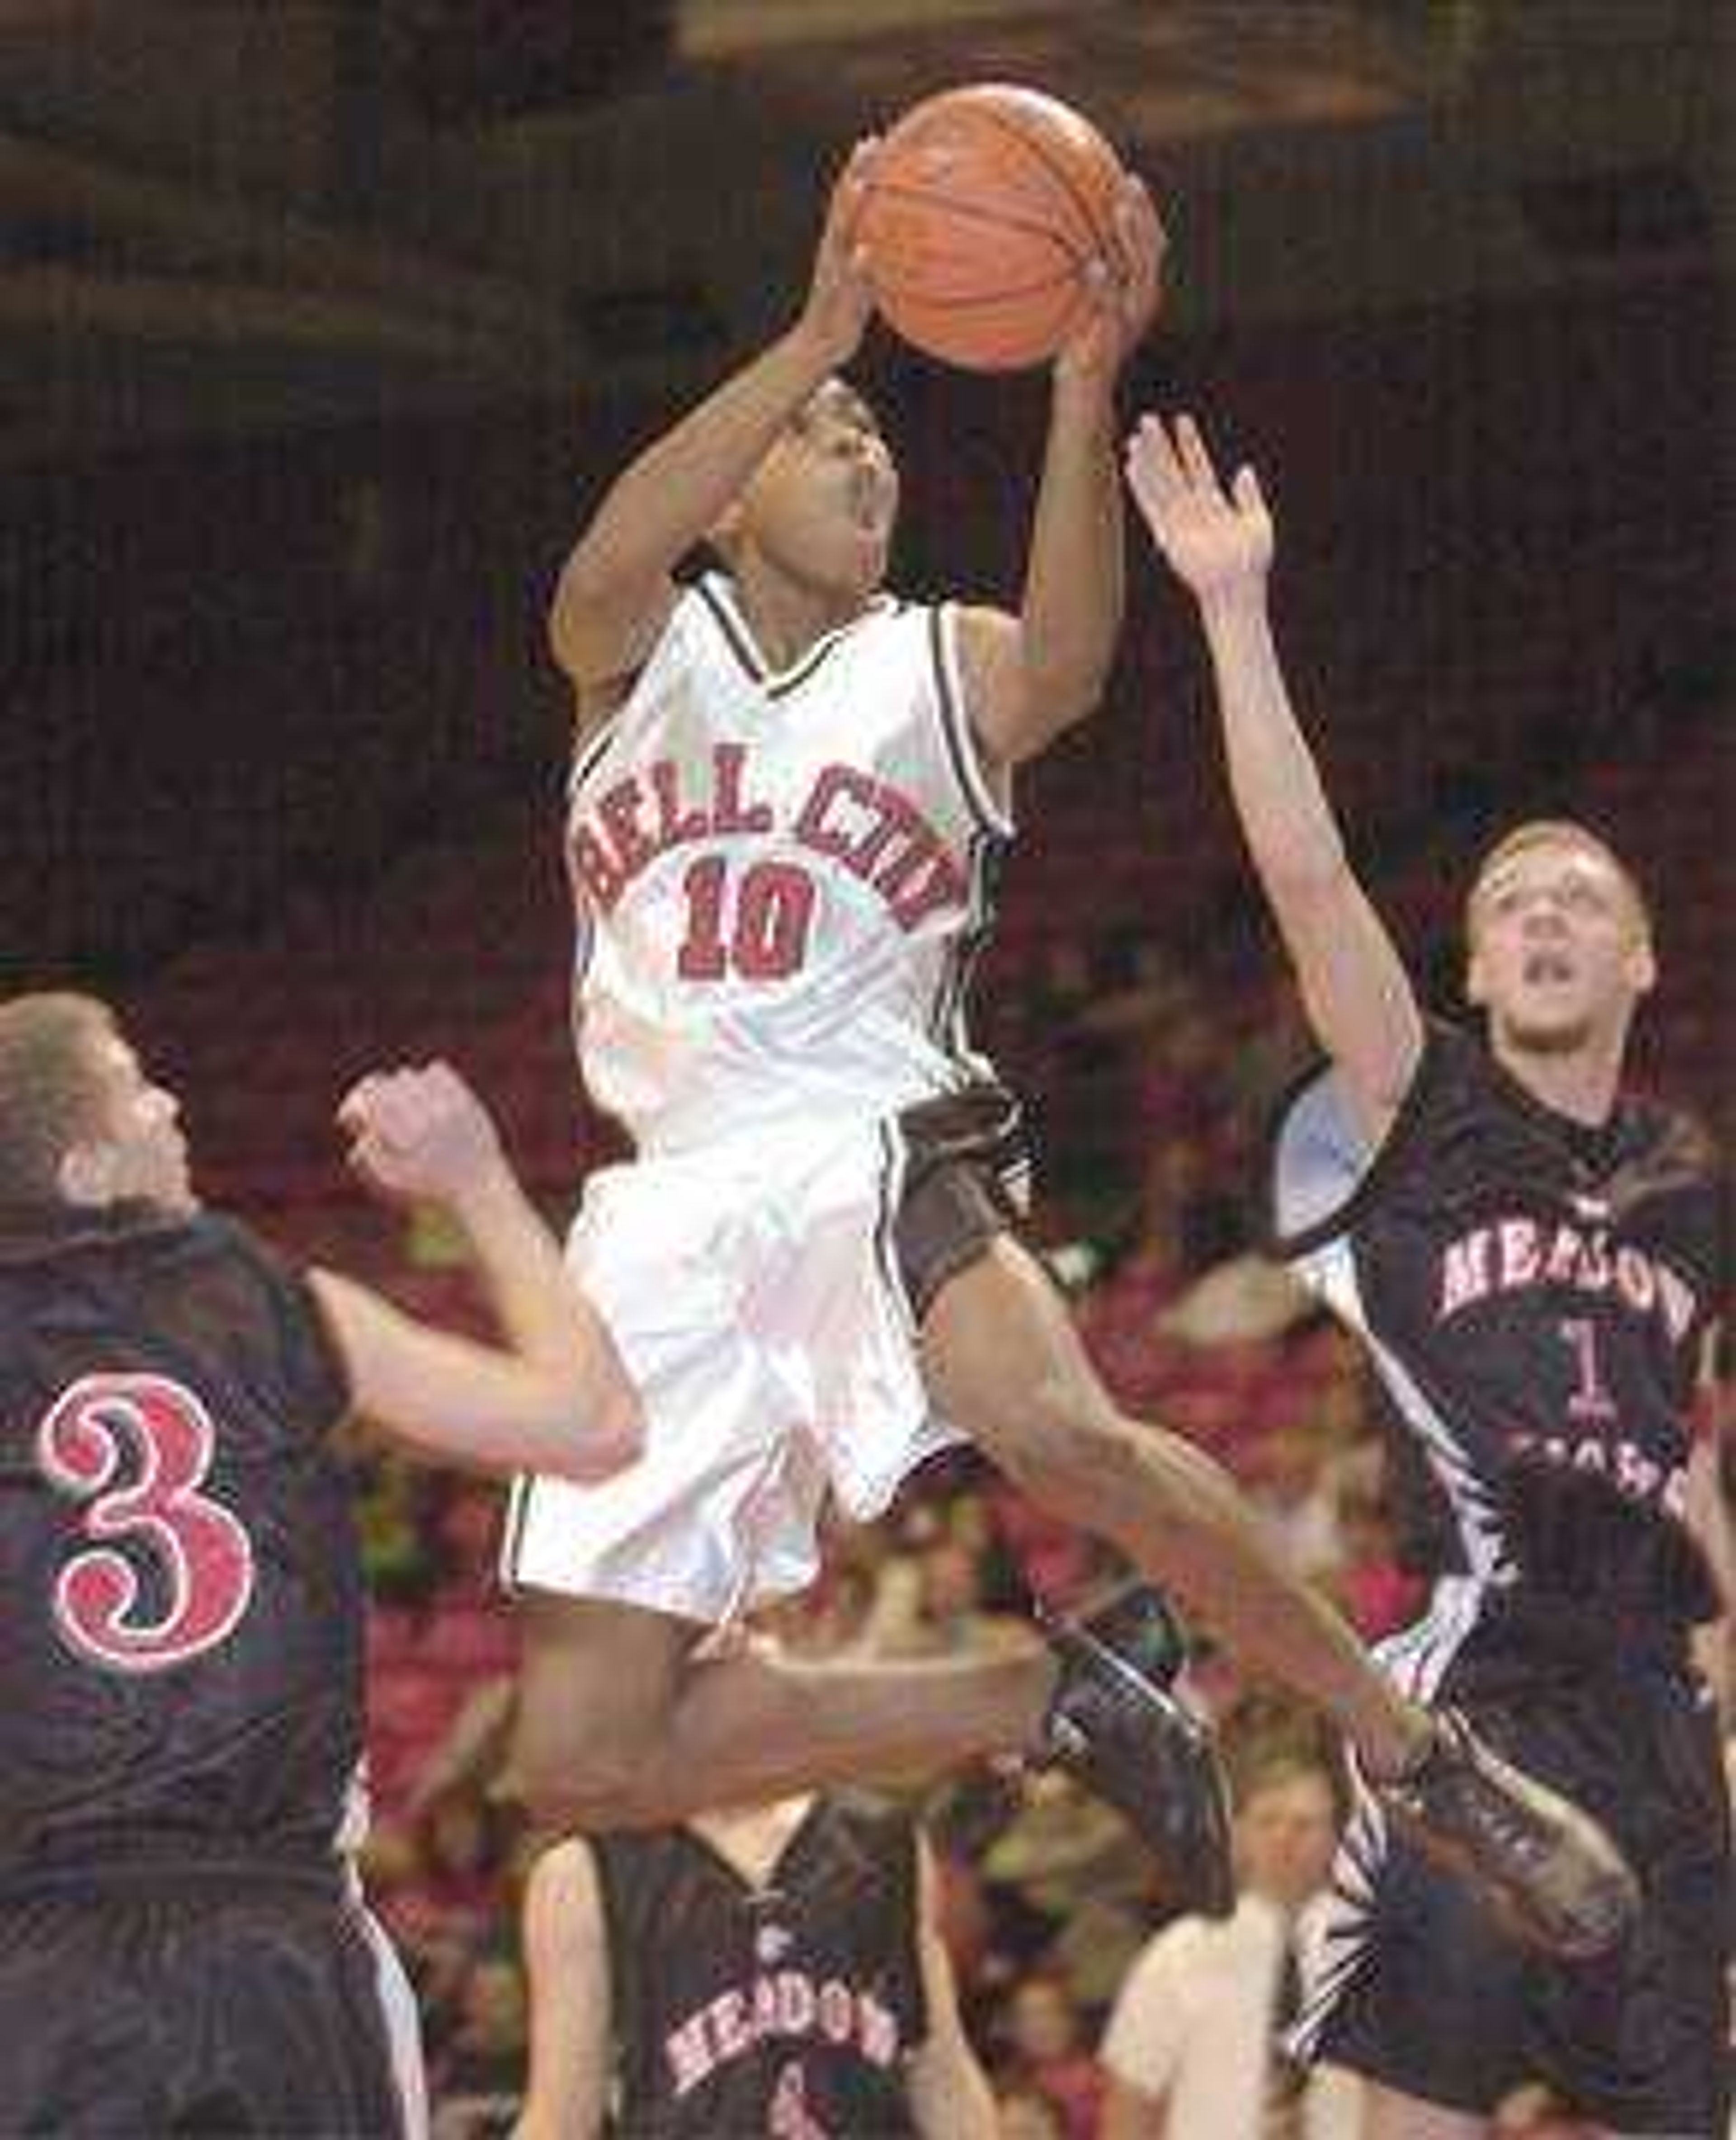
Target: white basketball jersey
781,879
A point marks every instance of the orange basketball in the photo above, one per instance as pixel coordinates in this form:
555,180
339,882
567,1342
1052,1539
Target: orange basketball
984,209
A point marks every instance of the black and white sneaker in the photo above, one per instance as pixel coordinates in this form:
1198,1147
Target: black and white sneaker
1116,1725
1545,1868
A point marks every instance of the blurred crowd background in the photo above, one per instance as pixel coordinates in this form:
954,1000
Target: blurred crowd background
320,327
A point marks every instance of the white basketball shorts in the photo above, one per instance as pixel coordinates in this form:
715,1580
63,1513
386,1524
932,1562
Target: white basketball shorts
756,1291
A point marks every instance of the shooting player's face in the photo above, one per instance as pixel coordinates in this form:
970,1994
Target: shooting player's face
1560,948
822,504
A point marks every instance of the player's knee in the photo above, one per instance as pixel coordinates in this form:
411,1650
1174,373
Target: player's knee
1067,1453
590,1764
590,1785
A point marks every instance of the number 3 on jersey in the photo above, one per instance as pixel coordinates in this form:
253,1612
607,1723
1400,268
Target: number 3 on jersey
764,936
205,1558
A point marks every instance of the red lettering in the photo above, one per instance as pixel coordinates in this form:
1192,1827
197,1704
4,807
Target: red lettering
703,956
205,1557
674,829
1464,1273
837,2011
619,810
730,813
1637,1279
689,2059
810,827
595,868
934,883
1518,1252
730,2026
795,2003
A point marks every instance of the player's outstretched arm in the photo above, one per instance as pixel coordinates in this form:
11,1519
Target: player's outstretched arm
566,1965
558,1400
950,2098
615,593
1029,677
1358,996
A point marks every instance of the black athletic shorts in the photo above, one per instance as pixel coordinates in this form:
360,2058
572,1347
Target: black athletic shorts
965,1170
1439,2004
199,2001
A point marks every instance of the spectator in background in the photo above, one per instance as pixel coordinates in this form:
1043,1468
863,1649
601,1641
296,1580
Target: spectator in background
1048,2056
1026,2114
1190,2051
478,2079
1373,1590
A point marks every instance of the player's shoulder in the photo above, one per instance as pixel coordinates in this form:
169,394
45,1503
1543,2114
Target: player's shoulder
562,1880
222,1238
1328,1171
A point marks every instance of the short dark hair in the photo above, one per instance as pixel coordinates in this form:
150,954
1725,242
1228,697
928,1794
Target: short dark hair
50,1087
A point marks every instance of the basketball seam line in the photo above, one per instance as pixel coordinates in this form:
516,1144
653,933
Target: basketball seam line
931,197
904,294
1058,172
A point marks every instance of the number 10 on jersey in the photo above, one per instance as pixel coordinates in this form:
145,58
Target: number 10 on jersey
753,923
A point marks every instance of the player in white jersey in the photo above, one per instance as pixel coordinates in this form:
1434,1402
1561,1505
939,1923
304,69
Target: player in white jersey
789,796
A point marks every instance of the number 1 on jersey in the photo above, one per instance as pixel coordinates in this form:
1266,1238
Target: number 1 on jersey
761,933
1590,1399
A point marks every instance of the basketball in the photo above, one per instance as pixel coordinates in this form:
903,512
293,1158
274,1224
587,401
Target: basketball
985,207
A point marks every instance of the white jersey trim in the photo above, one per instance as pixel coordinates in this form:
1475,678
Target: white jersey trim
718,593
1340,1939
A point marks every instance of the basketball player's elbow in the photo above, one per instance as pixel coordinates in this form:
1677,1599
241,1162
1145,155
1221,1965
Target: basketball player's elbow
1063,690
608,1408
612,1428
574,1424
1050,701
578,615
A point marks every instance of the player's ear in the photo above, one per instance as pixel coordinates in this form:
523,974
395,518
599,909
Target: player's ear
1641,966
1476,980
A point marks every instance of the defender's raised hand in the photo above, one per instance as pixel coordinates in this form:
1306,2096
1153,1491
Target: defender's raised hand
1217,542
421,1135
841,296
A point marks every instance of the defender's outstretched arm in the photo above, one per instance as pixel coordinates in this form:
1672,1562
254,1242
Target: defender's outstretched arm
1358,996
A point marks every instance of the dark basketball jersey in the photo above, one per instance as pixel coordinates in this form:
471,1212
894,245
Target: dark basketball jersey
182,1672
785,2011
1534,1295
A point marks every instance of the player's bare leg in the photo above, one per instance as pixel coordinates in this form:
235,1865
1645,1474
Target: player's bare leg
1005,1363
619,1727
1387,2115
